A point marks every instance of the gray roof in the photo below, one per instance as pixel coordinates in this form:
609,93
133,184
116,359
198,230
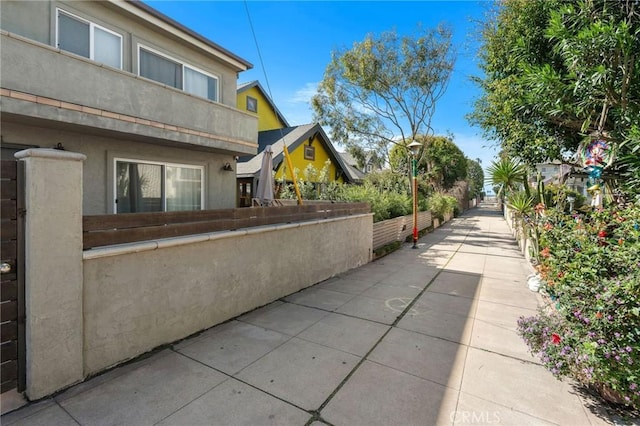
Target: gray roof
293,137
246,86
352,163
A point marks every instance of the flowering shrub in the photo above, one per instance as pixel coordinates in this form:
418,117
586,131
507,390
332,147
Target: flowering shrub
590,266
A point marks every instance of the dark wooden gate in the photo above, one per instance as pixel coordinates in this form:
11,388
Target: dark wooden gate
12,311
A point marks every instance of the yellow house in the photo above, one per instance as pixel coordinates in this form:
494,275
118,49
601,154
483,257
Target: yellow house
307,145
251,97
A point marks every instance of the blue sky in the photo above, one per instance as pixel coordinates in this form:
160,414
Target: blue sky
296,39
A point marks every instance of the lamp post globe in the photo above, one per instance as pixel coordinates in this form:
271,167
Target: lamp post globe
414,148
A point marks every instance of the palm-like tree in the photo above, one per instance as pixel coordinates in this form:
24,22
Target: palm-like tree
507,175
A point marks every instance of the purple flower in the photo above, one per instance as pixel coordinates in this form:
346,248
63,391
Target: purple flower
610,317
616,334
602,341
607,355
618,358
628,348
633,386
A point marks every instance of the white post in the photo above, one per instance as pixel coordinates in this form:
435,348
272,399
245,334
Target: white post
53,269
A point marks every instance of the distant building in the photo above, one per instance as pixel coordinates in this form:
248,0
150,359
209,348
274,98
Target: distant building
307,144
557,173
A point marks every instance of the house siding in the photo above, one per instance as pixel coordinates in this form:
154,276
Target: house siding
300,163
267,118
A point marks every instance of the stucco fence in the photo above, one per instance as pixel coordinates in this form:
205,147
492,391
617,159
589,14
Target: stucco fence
525,244
88,310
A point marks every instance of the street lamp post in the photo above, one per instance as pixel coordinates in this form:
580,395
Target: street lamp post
414,147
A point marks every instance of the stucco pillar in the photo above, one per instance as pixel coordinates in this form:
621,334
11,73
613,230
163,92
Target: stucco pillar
53,269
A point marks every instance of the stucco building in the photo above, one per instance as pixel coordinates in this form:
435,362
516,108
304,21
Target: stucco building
150,103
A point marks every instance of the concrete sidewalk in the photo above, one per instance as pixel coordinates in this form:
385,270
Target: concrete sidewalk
419,337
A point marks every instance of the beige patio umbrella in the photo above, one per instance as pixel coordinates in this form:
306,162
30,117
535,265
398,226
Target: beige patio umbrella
264,192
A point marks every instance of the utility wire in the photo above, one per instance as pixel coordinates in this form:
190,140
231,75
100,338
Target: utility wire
266,79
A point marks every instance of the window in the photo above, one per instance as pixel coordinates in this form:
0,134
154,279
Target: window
87,39
169,71
309,153
156,187
252,104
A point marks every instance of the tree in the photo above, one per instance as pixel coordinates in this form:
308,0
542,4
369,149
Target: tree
556,72
440,161
384,88
366,158
475,176
507,175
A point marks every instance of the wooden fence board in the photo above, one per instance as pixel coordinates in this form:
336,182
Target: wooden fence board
8,229
8,169
134,227
8,331
8,209
8,351
8,191
8,310
398,229
9,290
9,249
9,371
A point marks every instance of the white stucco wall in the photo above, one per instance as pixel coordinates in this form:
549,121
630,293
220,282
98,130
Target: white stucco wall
140,296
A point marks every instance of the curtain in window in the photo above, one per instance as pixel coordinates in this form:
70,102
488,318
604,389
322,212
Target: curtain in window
139,187
183,188
73,35
200,84
196,83
107,48
160,69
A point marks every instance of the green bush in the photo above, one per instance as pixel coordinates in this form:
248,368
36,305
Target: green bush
556,195
590,266
441,204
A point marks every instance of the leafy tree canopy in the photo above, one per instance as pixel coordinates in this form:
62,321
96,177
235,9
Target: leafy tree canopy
475,176
558,71
384,88
440,161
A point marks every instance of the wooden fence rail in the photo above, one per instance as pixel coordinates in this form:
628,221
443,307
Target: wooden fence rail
103,230
397,229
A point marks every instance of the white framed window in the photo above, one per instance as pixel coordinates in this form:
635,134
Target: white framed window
85,38
172,72
148,186
252,104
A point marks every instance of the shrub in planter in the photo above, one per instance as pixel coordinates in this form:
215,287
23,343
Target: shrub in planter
441,204
590,265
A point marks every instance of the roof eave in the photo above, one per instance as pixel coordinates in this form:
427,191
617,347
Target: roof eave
155,17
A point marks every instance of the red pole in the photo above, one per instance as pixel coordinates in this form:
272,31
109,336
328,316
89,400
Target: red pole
415,204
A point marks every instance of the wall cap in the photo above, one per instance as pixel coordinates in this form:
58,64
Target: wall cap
54,154
129,248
